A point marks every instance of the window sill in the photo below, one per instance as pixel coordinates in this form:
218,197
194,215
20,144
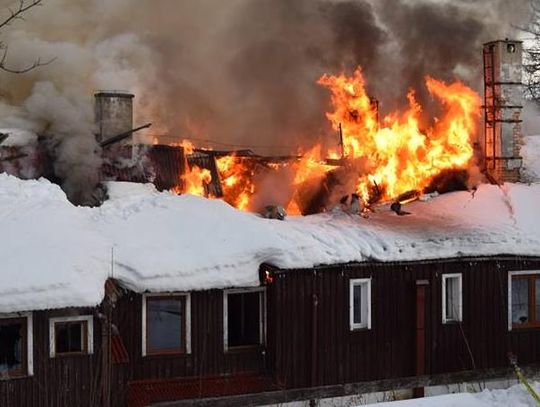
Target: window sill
166,354
243,349
452,322
15,377
69,355
524,328
366,329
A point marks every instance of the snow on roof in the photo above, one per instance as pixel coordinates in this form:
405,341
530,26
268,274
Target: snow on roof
18,137
57,255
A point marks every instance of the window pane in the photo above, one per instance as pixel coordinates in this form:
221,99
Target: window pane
452,299
11,347
357,304
164,324
520,301
537,297
243,319
69,337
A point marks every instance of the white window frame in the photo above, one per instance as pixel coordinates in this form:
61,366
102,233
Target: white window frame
262,314
29,339
145,296
445,277
76,318
510,274
360,282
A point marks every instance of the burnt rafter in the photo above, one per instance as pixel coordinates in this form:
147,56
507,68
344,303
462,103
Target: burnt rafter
122,136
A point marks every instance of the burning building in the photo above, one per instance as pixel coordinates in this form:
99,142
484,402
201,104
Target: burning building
153,298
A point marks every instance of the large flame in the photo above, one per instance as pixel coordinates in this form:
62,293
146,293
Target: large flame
402,157
389,156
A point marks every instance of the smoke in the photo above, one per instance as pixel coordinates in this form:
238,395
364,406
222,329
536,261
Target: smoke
239,72
69,125
531,118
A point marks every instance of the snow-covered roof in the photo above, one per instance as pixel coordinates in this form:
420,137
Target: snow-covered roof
57,255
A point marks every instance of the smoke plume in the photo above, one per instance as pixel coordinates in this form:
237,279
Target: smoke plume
240,72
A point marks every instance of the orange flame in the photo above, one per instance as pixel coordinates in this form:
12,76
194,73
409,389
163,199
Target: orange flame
401,156
194,178
236,181
194,181
389,157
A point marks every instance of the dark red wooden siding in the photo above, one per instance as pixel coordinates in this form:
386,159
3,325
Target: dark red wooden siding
309,342
61,381
207,357
314,348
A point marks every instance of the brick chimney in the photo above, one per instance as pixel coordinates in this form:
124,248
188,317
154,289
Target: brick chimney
503,102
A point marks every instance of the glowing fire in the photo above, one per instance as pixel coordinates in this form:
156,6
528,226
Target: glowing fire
236,181
194,179
402,157
388,157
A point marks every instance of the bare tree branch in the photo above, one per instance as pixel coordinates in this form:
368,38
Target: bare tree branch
19,11
37,63
531,65
17,14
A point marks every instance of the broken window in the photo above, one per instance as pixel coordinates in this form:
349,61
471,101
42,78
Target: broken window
360,304
452,298
165,324
525,300
244,317
13,339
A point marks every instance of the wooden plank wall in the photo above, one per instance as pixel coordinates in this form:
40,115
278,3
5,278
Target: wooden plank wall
309,342
206,359
61,381
317,348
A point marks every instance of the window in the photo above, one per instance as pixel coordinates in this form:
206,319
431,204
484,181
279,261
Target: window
452,301
511,48
523,300
166,324
16,346
71,335
243,317
360,303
